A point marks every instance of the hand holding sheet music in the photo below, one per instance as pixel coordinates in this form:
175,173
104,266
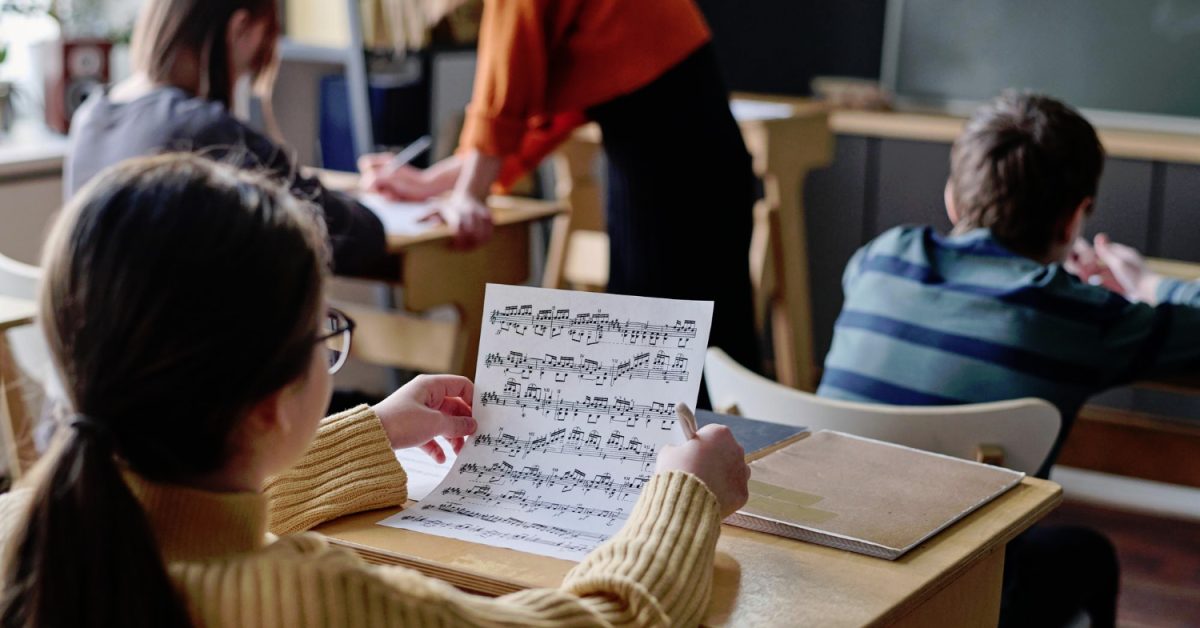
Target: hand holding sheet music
574,394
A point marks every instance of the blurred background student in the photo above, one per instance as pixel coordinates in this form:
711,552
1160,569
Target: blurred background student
680,185
189,56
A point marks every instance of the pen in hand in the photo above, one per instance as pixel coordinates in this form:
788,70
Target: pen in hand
687,420
409,153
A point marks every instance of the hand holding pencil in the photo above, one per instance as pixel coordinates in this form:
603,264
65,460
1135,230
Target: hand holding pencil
712,455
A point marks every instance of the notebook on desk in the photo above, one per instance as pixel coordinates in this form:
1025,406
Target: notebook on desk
863,495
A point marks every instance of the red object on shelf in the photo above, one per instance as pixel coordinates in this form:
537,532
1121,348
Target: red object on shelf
73,68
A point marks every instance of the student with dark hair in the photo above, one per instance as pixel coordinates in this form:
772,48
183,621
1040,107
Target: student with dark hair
183,302
188,57
992,312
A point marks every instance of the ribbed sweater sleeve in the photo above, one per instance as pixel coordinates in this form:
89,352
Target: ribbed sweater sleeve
349,467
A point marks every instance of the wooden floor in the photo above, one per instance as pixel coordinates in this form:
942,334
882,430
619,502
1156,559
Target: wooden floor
1160,563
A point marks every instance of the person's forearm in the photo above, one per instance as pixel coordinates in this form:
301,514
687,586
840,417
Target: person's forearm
478,172
348,468
1179,292
443,175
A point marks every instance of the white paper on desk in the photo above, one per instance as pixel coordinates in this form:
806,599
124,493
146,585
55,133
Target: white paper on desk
744,110
399,217
574,394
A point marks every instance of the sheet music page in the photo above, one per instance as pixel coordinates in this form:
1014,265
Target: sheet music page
574,394
423,473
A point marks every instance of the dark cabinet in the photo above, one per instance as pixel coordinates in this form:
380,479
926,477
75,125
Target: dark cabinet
1180,234
912,177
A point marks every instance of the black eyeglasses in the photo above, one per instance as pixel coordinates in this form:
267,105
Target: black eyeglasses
336,332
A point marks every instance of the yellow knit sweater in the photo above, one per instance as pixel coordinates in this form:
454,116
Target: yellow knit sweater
656,571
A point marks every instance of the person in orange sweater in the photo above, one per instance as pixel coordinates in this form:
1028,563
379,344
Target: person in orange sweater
679,177
183,302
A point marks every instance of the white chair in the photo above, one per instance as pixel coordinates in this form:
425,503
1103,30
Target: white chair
25,360
1024,430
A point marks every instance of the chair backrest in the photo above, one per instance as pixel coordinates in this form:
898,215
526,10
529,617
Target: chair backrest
1024,428
26,371
29,349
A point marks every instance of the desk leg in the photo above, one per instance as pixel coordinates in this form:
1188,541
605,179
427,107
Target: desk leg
972,599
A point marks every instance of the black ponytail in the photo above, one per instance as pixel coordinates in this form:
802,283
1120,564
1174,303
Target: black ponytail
86,533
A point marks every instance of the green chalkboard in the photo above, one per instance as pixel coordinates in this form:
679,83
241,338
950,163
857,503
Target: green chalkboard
1138,56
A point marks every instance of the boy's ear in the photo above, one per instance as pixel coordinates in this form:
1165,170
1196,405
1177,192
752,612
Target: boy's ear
948,199
1072,227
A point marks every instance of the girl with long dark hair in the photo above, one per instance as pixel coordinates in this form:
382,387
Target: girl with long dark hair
183,302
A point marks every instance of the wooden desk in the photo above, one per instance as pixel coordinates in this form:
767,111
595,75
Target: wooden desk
434,273
763,580
944,128
13,313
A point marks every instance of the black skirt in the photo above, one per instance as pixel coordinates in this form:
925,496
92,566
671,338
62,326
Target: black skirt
681,195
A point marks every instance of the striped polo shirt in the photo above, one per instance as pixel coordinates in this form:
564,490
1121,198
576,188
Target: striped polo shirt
936,320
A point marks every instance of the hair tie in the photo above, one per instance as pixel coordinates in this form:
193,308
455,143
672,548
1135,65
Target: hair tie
85,424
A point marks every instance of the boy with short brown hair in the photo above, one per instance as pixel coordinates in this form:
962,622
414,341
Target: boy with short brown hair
991,311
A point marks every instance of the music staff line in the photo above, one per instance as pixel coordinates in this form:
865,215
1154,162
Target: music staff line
641,366
504,473
483,495
590,328
516,522
490,533
592,408
576,443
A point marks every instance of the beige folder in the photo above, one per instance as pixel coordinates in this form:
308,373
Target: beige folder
863,495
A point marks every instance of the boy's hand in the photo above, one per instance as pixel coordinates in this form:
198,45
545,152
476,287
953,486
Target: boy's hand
426,407
1085,264
1129,269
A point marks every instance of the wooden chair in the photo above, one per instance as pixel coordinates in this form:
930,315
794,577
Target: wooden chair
1017,434
25,370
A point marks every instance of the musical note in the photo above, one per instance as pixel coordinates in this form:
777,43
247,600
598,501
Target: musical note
592,408
590,328
504,473
519,498
641,366
422,521
576,442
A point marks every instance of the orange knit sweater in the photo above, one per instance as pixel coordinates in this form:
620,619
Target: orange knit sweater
543,62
